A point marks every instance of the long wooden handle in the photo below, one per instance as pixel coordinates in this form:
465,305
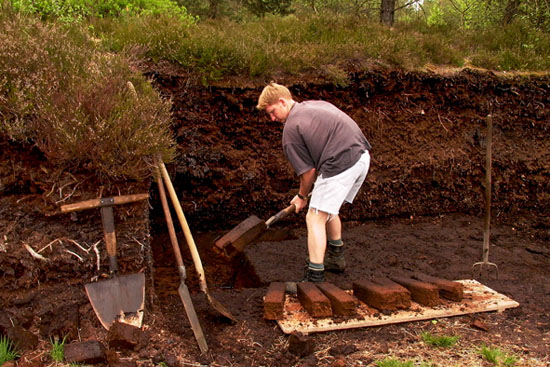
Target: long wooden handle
488,165
184,225
280,215
97,203
108,222
170,225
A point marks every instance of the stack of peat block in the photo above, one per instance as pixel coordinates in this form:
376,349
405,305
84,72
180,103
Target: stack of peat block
322,300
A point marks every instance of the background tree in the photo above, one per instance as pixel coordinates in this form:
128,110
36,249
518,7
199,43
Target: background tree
511,10
387,12
389,7
262,7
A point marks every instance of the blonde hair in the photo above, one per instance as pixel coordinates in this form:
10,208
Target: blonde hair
271,94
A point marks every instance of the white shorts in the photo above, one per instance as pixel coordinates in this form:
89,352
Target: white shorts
329,194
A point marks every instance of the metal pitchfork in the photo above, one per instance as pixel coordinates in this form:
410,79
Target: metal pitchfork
487,217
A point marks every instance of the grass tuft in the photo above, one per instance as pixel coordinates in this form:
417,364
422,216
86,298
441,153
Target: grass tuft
58,349
497,357
439,341
7,350
393,362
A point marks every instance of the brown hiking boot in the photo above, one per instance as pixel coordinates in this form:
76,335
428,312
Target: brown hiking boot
312,275
334,260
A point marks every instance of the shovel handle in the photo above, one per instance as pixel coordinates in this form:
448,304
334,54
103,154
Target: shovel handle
184,226
109,233
280,215
170,225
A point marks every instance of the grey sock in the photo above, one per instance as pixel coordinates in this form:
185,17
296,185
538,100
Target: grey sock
316,267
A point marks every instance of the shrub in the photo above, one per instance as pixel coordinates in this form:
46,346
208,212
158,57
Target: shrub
515,46
59,91
77,10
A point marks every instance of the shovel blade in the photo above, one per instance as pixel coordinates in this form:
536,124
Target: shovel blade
244,233
119,299
192,316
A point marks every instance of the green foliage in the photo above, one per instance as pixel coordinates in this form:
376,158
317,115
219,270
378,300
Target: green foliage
58,350
497,357
439,341
7,350
262,7
61,92
511,47
392,362
159,37
259,48
77,10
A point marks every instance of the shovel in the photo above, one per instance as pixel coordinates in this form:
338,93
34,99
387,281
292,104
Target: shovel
246,232
120,298
191,243
182,290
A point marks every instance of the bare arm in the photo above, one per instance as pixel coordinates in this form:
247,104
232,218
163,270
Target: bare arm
306,181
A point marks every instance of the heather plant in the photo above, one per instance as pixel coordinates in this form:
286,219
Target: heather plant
62,93
514,46
321,44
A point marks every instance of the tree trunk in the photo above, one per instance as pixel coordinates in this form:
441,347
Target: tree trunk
213,8
387,11
511,11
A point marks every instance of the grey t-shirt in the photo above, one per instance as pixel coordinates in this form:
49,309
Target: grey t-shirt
319,135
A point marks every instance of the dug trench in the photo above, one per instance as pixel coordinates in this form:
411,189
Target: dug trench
420,209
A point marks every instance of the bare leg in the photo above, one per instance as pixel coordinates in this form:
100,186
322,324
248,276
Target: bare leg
316,235
334,228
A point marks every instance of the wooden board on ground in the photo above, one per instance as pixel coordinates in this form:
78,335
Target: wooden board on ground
477,298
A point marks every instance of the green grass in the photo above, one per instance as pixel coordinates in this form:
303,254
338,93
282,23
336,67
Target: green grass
7,350
497,357
57,351
393,362
323,44
439,341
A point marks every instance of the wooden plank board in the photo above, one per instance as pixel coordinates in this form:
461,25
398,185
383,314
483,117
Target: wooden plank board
477,298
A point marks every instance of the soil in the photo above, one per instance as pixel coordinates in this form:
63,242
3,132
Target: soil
420,209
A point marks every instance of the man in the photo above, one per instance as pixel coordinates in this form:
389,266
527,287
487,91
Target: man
330,154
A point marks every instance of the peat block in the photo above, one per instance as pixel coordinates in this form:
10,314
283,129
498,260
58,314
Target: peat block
342,302
313,300
274,301
87,352
424,293
447,288
382,294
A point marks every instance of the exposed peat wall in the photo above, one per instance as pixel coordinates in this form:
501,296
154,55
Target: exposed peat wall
428,135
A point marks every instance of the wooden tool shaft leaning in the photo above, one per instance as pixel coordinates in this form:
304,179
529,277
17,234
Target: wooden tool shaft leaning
182,290
191,243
